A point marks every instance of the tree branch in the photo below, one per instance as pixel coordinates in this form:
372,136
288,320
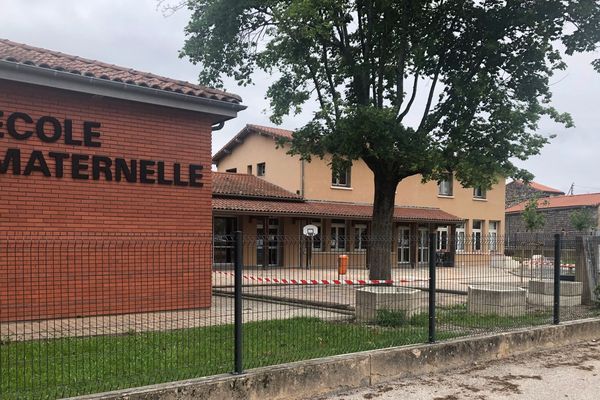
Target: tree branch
412,98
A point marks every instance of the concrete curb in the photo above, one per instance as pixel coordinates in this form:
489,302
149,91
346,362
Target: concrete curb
311,378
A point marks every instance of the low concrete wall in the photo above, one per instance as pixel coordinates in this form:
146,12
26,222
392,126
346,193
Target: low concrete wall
312,378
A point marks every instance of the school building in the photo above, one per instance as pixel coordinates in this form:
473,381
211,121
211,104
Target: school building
265,192
86,147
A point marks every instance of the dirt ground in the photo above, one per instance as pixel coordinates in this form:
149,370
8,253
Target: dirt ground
571,372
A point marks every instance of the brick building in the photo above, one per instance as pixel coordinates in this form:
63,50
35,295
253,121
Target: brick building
518,191
88,147
557,211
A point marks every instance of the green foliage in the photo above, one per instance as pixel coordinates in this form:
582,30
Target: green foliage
583,220
391,318
532,218
479,70
596,298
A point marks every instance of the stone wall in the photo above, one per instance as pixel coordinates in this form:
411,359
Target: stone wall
557,220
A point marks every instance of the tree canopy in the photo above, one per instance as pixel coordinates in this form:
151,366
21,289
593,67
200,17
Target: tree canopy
411,87
583,219
532,217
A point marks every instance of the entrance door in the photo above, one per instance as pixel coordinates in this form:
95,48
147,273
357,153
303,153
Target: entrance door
423,245
223,240
272,243
403,244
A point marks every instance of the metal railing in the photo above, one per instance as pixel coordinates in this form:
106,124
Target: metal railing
85,313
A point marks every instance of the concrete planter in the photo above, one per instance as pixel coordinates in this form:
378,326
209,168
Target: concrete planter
541,293
369,300
497,300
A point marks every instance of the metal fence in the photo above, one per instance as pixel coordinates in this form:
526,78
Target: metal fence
85,313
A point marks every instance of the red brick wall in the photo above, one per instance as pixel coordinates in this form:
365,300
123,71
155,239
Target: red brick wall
130,267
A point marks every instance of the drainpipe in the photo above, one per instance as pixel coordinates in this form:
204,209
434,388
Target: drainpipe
302,178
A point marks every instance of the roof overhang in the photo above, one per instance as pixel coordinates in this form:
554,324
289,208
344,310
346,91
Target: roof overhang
219,111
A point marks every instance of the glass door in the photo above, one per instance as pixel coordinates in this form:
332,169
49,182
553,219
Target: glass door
423,245
403,244
223,240
272,257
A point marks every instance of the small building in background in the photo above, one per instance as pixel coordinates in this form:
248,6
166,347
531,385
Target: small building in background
518,192
557,212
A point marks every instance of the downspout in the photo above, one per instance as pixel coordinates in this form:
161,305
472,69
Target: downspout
302,178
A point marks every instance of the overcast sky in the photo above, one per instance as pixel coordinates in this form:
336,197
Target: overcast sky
135,34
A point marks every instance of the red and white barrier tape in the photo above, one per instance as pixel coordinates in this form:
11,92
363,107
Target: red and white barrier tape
322,281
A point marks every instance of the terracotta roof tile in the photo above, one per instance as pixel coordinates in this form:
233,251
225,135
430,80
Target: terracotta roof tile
243,185
578,200
281,133
24,54
327,209
276,133
541,188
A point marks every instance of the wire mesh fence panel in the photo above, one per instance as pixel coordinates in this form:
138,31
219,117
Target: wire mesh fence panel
84,313
487,289
305,300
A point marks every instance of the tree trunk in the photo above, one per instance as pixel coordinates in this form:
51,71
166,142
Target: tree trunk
382,226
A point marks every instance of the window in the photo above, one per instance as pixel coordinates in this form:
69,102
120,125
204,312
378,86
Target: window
338,235
442,238
460,237
479,193
260,169
477,224
404,244
249,169
360,236
232,170
340,177
493,235
223,240
316,240
445,186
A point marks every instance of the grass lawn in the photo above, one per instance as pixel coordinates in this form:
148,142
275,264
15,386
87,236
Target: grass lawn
50,369
458,318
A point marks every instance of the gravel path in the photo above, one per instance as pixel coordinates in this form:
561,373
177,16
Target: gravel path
571,372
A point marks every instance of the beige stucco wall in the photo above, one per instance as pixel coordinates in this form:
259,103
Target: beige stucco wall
410,192
281,169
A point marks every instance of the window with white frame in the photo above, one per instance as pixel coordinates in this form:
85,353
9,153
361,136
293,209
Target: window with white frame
316,240
442,238
360,236
340,177
493,228
338,235
476,231
445,186
460,237
479,193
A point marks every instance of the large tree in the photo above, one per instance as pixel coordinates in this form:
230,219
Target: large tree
411,87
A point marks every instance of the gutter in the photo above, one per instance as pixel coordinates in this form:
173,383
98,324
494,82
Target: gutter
17,72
